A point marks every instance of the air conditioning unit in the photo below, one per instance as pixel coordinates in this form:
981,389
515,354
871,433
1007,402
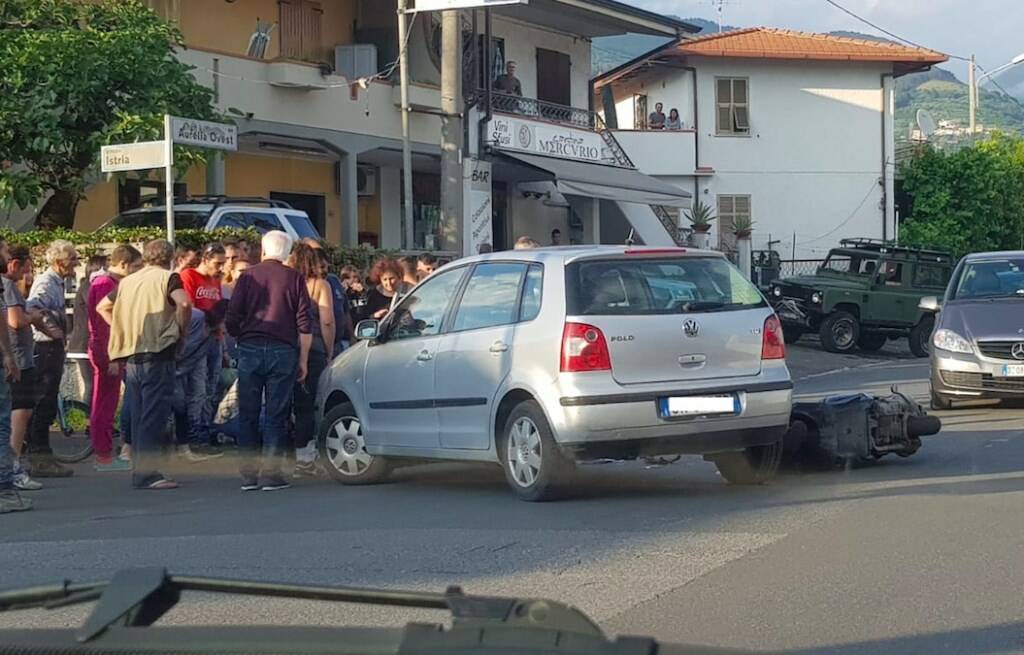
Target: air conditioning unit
355,60
366,180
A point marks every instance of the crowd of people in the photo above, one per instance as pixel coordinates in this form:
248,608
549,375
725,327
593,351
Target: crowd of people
168,333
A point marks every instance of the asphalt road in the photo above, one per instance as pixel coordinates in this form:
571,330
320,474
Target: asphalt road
917,555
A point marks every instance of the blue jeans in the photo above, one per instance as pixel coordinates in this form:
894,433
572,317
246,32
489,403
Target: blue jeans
190,400
6,452
149,396
266,373
214,364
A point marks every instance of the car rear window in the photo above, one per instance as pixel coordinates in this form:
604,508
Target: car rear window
183,220
675,285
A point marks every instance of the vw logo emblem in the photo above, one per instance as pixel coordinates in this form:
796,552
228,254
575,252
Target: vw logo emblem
1017,350
692,329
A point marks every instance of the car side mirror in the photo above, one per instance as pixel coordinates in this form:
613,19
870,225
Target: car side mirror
929,304
368,329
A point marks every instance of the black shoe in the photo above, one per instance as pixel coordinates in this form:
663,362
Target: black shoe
250,485
209,451
48,467
275,484
305,470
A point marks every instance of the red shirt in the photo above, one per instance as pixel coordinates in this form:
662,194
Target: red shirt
204,290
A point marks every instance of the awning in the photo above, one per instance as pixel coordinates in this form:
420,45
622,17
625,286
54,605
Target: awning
577,178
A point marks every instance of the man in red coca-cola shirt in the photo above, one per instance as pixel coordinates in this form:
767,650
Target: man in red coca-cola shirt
203,286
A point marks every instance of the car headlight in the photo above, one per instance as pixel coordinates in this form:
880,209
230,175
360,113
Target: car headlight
816,298
777,292
950,341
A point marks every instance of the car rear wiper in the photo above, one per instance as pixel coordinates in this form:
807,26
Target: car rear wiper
709,306
139,597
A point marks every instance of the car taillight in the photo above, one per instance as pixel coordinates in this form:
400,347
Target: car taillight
584,349
773,345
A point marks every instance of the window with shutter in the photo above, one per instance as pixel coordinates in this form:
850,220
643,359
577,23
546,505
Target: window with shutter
299,25
731,208
733,107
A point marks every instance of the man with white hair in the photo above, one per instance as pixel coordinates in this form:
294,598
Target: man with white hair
47,298
269,314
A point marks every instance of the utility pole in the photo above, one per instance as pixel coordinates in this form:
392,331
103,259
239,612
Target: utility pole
403,74
972,93
451,130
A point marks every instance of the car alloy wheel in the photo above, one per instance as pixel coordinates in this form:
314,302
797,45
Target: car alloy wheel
524,455
346,448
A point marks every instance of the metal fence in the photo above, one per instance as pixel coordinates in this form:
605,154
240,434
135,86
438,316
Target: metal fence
549,111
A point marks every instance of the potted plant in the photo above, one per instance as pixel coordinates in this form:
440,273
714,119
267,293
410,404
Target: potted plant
742,227
700,217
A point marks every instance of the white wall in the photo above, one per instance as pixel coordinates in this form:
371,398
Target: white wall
659,152
372,112
813,159
521,43
390,185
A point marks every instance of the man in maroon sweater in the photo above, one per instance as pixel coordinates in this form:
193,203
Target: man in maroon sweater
269,314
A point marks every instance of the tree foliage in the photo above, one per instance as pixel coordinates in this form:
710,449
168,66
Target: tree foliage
76,76
967,200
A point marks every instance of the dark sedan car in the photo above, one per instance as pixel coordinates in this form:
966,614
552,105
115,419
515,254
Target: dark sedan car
978,342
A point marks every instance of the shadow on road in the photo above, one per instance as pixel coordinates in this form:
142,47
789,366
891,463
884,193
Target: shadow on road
980,640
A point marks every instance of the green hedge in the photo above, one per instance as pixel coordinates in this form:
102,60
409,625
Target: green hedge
91,243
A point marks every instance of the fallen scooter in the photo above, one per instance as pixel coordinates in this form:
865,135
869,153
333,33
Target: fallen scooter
841,430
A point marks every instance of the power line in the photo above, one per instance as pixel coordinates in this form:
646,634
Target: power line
849,218
885,31
992,79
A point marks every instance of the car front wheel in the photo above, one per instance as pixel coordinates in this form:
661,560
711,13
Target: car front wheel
839,332
534,465
755,465
343,449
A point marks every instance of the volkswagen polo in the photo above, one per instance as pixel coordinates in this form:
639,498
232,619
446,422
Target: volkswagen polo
538,359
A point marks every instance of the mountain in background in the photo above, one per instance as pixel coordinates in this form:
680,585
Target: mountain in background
936,90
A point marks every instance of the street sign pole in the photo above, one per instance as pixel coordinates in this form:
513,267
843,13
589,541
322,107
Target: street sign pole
169,176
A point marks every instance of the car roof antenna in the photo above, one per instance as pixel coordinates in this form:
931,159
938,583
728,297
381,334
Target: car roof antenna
629,239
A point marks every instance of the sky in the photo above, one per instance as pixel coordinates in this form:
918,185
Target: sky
993,30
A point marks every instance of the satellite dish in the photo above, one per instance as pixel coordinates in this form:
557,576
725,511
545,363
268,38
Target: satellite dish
925,123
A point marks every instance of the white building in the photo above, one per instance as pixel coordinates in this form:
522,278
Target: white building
318,113
789,129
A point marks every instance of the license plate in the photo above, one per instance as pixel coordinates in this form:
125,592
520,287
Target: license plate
1013,370
679,406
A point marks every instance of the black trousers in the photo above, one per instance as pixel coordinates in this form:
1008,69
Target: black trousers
49,371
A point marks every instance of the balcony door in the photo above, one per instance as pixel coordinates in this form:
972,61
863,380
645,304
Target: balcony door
553,77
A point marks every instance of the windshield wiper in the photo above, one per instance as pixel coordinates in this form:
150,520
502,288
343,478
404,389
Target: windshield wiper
709,306
139,597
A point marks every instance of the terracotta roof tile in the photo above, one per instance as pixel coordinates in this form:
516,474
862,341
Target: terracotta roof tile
771,43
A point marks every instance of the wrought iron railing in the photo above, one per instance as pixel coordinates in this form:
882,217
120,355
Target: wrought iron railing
549,111
671,225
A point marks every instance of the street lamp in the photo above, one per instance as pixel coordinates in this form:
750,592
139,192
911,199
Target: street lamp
975,81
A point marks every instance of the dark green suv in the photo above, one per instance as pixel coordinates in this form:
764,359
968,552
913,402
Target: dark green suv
864,293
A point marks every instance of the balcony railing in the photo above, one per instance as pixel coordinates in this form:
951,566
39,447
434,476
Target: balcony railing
548,111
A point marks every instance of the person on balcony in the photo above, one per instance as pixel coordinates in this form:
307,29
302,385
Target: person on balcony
509,83
656,121
673,122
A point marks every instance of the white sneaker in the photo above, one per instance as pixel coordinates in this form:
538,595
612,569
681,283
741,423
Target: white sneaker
24,483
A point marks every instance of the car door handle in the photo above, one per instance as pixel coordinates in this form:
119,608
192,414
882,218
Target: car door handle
499,347
424,356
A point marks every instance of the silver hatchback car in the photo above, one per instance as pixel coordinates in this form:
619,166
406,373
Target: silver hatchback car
537,359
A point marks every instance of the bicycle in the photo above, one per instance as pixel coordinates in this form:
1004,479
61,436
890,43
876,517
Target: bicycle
69,434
